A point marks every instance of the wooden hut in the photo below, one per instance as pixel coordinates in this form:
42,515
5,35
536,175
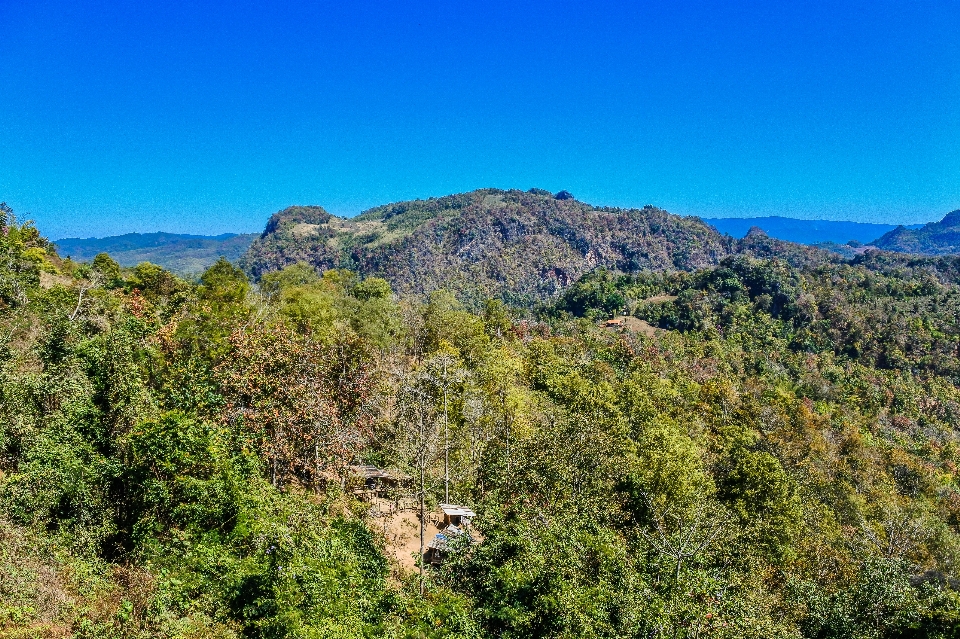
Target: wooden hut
376,482
456,515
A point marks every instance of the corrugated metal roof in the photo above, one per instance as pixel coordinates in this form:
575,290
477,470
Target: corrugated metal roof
454,510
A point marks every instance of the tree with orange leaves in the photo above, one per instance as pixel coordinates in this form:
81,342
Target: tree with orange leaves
306,405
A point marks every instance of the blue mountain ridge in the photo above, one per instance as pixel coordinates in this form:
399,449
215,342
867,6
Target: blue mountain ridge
181,253
805,231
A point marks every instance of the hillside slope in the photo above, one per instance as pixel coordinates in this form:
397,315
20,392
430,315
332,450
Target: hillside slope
516,245
935,238
185,255
177,459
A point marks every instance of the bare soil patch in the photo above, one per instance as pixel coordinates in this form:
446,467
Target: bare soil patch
656,299
401,533
632,324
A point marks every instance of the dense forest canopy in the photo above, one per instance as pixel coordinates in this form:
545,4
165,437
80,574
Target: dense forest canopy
774,454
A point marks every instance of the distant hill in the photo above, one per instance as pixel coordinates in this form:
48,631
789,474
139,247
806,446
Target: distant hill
522,246
935,238
804,231
183,254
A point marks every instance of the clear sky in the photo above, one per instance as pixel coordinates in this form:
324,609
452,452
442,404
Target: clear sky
206,117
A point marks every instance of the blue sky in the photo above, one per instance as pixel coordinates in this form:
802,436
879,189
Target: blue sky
207,117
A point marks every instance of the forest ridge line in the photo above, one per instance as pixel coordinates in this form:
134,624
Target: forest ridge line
520,246
188,255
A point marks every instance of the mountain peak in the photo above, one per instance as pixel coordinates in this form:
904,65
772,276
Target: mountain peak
487,243
311,214
521,246
935,238
951,219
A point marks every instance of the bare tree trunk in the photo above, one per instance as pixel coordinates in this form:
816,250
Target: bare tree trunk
446,441
506,427
73,315
422,462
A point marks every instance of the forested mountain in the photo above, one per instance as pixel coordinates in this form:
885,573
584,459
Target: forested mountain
519,246
768,448
185,255
935,238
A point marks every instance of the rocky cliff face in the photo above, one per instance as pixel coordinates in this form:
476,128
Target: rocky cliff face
522,246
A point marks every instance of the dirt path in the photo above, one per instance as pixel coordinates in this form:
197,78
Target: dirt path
401,532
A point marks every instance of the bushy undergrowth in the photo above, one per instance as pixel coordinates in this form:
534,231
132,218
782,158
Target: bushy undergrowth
779,459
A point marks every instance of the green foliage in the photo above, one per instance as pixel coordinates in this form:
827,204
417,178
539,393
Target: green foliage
223,283
593,296
155,283
372,288
326,306
758,491
446,323
179,475
542,577
22,257
496,318
108,268
778,459
295,275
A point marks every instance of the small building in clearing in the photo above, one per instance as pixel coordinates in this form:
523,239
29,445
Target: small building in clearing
455,515
376,481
